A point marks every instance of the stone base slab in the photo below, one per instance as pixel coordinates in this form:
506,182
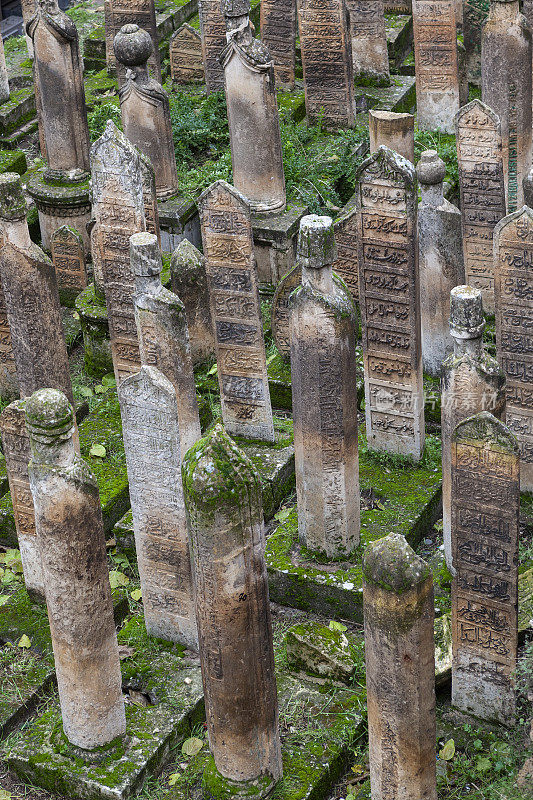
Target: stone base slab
61,204
399,96
275,237
178,220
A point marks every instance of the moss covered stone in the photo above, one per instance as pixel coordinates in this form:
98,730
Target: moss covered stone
392,564
326,653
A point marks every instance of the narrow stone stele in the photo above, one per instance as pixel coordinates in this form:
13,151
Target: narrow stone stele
399,615
278,34
236,312
513,292
225,515
506,89
394,130
323,367
70,531
163,336
12,219
471,382
386,200
125,12
145,108
253,117
213,33
440,258
4,80
485,522
346,265
29,8
68,256
185,54
149,411
369,42
479,156
279,315
474,17
189,281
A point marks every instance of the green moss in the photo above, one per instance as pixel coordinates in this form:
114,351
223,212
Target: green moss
13,161
217,787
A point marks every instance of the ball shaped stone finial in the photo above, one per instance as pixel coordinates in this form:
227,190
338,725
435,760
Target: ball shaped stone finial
12,200
392,564
145,255
133,46
527,184
316,243
466,312
49,416
431,169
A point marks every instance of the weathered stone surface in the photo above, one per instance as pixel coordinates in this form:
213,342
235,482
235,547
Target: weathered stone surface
186,64
280,310
485,512
223,500
386,201
4,81
513,291
479,156
314,649
29,8
278,34
213,33
64,202
12,228
400,671
396,130
151,208
130,12
189,281
474,17
235,311
327,62
322,335
471,382
440,259
275,236
346,263
68,257
369,43
506,89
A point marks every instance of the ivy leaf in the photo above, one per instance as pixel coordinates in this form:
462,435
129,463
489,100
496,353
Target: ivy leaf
478,744
282,515
109,380
192,746
99,389
137,594
483,764
448,751
337,626
8,576
174,778
117,579
24,642
86,391
98,450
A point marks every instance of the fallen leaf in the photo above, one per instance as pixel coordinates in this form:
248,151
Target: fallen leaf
448,751
136,594
98,450
86,391
138,698
117,579
3,600
99,389
125,652
192,746
109,380
24,642
282,515
483,764
174,778
337,626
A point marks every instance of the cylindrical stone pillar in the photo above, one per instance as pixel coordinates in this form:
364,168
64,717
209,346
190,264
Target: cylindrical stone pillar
4,81
400,671
226,528
69,525
393,129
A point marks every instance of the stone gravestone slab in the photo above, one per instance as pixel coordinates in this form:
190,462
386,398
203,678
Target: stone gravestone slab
393,129
485,512
213,33
327,62
345,265
68,256
151,210
386,201
235,311
278,34
186,64
369,41
436,65
280,310
134,12
474,17
189,282
513,289
479,156
8,371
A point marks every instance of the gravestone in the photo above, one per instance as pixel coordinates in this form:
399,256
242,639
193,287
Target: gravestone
324,397
4,79
185,52
151,210
393,129
280,310
225,516
346,263
118,205
440,258
485,512
70,530
213,33
189,281
386,200
369,42
479,156
400,671
471,382
436,64
513,290
130,12
235,311
28,8
327,62
68,255
145,108
506,89
149,411
278,34
474,17
12,226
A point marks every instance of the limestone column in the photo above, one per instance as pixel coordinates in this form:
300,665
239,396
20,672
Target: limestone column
145,108
278,34
213,33
225,515
13,209
163,336
506,89
369,42
471,382
324,397
440,259
126,12
395,130
400,671
29,7
255,137
485,523
189,281
70,530
4,80
279,316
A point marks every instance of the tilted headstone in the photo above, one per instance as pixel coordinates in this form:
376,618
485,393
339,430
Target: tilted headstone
213,33
69,261
236,312
369,41
4,80
479,156
189,281
149,411
280,310
393,129
327,62
70,530
324,397
225,515
436,64
471,382
118,206
255,137
506,89
399,616
145,108
513,290
130,12
185,53
440,259
474,17
386,199
278,34
163,335
485,512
